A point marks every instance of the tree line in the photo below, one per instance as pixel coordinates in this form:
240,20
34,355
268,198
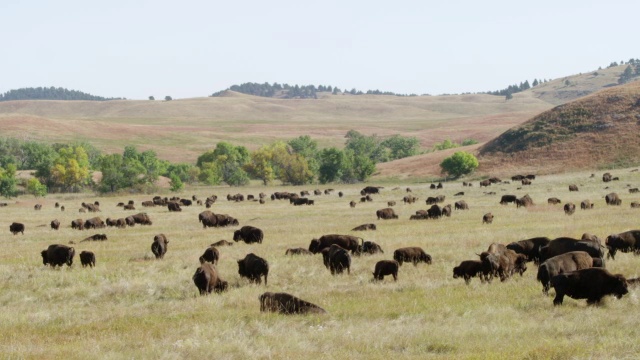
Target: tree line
286,91
69,167
50,93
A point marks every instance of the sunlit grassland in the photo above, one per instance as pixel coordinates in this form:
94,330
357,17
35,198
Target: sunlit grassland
131,306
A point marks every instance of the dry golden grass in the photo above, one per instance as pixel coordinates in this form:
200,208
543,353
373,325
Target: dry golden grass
131,306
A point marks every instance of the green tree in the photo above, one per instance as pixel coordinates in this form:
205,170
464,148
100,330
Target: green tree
401,147
468,142
119,172
447,144
210,174
227,162
168,98
308,148
458,164
509,96
8,181
332,163
176,183
71,169
35,188
151,98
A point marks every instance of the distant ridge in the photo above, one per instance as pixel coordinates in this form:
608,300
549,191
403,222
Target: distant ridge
50,93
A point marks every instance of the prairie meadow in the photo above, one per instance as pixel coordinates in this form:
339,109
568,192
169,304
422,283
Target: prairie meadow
134,306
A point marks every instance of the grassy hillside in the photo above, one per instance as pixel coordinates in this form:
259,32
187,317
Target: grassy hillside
131,306
598,131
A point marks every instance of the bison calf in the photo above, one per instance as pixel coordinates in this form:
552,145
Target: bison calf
386,267
87,258
468,269
206,279
253,267
159,246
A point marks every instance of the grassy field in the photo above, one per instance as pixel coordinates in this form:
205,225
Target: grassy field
132,306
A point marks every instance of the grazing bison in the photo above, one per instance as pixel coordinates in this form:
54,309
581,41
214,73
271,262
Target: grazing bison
524,201
211,254
174,206
592,284
87,258
248,234
55,224
431,200
352,204
564,245
369,247
485,183
526,182
612,199
586,205
530,247
569,208
508,199
434,212
553,201
284,303
409,199
567,262
222,243
502,262
386,267
606,177
129,207
634,190
37,207
94,223
186,202
58,255
95,237
573,187
386,214
446,210
142,219
225,220
411,254
635,205
461,205
130,221
348,242
159,246
487,218
16,228
77,224
148,203
207,218
461,193
207,279
468,269
628,241
253,267
370,190
337,259
364,227
298,251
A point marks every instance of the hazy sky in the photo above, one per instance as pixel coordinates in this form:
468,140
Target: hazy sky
134,49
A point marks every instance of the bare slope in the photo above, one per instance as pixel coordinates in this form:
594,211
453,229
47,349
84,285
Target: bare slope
599,131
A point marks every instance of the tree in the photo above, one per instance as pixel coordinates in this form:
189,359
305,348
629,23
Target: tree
400,146
459,164
151,98
332,161
8,181
225,161
447,144
176,183
509,96
71,169
168,98
35,188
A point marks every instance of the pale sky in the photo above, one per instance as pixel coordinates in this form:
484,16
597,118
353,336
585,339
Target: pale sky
135,49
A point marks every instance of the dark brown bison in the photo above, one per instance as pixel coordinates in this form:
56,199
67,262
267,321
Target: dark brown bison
298,251
301,201
148,203
487,218
95,237
364,227
77,224
461,193
142,219
222,243
370,190
461,205
446,210
468,269
351,243
121,223
352,204
94,223
411,254
284,303
502,262
612,199
87,258
525,201
634,190
573,187
569,208
58,255
485,183
386,214
129,207
55,224
16,228
386,267
409,199
606,177
553,201
508,199
567,262
526,182
628,241
431,200
432,186
159,246
130,221
207,279
225,220
211,254
391,203
586,205
37,207
635,204
186,202
592,284
530,247
110,222
517,177
434,212
174,206
340,194
207,218
564,245
369,247
248,234
253,267
337,259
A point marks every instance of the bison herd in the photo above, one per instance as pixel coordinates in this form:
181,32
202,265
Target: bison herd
573,267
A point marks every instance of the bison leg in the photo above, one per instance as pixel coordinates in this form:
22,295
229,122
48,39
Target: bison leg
559,297
467,279
265,279
594,301
395,276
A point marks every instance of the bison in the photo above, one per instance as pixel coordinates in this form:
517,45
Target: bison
95,237
248,234
284,303
569,208
487,218
211,254
411,254
508,199
468,269
386,214
461,205
530,247
434,212
386,267
298,251
586,205
142,219
58,255
553,201
369,247
564,245
16,228
485,183
77,224
628,241
364,227
612,199
591,284
55,224
573,187
159,246
571,261
207,279
253,267
174,206
337,259
347,242
94,223
370,190
87,258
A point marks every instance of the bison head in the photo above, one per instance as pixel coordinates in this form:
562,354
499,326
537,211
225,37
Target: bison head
241,268
620,288
45,259
426,258
236,235
313,246
456,272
